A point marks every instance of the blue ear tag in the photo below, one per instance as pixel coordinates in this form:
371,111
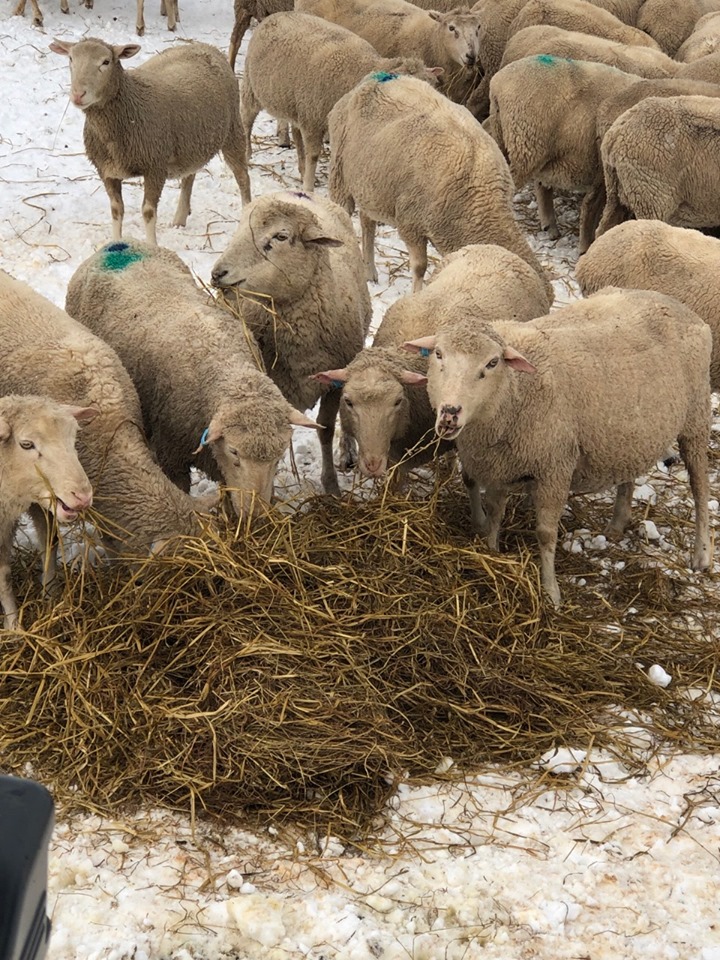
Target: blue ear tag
338,384
425,351
204,438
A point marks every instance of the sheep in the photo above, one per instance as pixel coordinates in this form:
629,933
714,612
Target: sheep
383,404
704,40
319,58
668,22
555,42
396,28
407,156
296,262
582,17
581,400
543,115
34,428
247,10
195,373
167,118
660,163
706,69
651,255
46,352
168,9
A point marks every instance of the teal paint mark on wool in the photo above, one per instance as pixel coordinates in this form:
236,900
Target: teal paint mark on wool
546,59
382,77
118,256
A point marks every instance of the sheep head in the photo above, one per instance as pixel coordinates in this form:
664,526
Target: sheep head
94,68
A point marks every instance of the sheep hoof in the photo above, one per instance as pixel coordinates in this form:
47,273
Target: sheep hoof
552,232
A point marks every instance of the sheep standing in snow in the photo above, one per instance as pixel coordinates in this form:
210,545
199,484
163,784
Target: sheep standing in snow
384,404
651,255
405,155
47,352
195,372
35,428
296,264
167,118
579,401
580,16
543,115
247,10
168,8
660,163
321,62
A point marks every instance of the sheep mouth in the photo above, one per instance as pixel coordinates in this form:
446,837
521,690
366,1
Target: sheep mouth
65,513
447,433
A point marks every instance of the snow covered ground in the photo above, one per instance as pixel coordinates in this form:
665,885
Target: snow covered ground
614,868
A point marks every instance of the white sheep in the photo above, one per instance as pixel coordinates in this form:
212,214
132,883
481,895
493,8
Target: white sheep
582,400
321,63
35,429
384,404
295,263
405,155
247,10
582,17
46,352
660,163
669,22
652,255
197,375
704,40
167,118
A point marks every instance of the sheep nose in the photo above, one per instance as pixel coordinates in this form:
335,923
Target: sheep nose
450,412
77,98
82,500
217,276
373,466
470,60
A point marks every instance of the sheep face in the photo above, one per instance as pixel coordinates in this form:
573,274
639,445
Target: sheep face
37,446
461,35
94,69
468,376
276,251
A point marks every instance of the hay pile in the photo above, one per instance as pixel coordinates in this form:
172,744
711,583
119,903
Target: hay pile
294,671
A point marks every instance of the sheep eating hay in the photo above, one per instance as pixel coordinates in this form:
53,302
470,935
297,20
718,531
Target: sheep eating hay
167,118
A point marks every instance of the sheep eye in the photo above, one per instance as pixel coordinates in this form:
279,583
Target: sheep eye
492,363
348,402
106,63
438,354
281,237
232,451
267,247
27,444
398,401
452,29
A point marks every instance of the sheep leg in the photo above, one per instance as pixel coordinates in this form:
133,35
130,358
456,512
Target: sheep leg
249,109
327,414
163,8
614,212
693,450
590,213
622,511
478,517
242,22
495,502
367,226
183,208
235,155
48,544
37,12
139,18
152,188
65,6
19,10
300,148
546,210
417,250
313,140
282,132
172,13
8,603
113,188
548,509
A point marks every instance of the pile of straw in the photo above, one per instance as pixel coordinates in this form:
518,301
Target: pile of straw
295,670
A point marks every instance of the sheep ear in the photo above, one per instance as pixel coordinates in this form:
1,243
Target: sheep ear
412,379
435,71
126,50
83,415
63,47
335,378
517,361
313,234
213,433
434,14
424,345
5,430
299,419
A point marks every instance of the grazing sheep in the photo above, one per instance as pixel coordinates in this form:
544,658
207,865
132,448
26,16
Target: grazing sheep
167,118
47,352
384,405
651,255
320,59
582,17
36,428
296,263
704,40
407,156
247,10
579,401
660,163
555,42
396,28
196,373
543,115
